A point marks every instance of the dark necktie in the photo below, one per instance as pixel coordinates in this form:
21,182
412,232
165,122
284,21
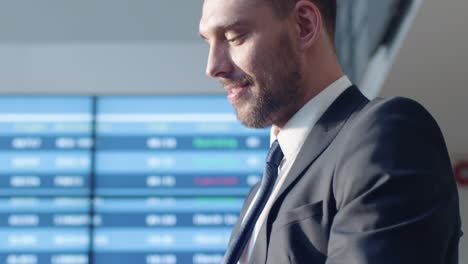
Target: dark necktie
237,245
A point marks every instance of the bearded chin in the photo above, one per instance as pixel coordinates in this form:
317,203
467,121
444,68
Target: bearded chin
258,111
255,118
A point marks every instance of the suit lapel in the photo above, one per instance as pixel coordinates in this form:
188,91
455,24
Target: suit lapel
320,137
260,250
246,205
323,133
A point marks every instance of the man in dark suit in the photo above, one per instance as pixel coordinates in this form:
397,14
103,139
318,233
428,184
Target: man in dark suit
358,181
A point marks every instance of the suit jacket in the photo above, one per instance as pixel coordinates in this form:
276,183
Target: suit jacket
373,183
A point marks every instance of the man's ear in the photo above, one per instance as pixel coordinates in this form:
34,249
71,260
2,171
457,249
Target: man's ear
308,21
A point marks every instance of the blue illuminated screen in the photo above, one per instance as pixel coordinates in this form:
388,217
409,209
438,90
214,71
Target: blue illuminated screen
155,179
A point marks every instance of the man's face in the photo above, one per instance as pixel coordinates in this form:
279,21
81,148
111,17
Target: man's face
253,56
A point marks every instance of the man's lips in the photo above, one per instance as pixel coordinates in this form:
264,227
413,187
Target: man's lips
235,91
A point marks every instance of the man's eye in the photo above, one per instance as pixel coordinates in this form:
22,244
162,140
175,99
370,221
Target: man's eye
237,40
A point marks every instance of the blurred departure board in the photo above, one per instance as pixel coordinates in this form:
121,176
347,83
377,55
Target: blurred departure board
157,180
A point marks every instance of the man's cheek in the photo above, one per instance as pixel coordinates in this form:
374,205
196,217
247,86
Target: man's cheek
248,56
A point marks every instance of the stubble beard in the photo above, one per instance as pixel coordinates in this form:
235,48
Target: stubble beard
273,96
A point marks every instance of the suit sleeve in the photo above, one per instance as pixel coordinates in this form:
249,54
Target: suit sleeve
396,197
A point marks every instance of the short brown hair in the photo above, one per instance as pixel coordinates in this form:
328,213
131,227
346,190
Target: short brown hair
327,9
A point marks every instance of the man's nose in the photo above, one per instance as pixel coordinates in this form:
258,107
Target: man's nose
219,62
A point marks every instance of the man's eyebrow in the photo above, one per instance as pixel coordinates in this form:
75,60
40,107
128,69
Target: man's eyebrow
233,24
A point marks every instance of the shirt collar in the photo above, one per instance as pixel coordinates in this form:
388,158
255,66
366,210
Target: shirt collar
292,136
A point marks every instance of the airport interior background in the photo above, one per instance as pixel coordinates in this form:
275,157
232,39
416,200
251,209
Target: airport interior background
110,130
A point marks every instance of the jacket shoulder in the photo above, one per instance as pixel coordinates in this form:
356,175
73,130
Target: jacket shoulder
401,106
387,137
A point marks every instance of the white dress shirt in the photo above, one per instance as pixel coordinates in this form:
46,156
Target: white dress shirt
291,138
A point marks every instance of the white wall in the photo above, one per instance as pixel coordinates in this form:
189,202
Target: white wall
432,67
102,47
104,68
